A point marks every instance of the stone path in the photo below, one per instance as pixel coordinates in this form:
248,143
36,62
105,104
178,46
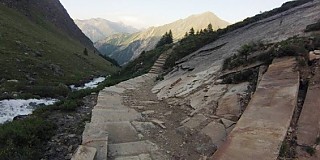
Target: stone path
263,126
111,131
157,67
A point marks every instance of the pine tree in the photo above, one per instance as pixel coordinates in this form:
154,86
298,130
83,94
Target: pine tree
210,28
85,52
165,39
191,32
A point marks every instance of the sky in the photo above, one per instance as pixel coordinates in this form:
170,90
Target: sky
146,13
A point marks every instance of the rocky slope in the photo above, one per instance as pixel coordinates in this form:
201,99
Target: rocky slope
97,29
124,48
41,47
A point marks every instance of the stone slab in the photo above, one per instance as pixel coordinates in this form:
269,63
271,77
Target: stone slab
263,126
309,120
229,104
143,126
84,153
114,89
216,131
132,148
110,102
98,140
139,157
195,121
119,132
104,115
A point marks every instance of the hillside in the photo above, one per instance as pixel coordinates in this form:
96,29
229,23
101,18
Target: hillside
41,50
97,28
124,48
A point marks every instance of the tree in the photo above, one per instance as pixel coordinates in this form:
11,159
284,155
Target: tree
191,32
85,52
165,39
186,35
210,29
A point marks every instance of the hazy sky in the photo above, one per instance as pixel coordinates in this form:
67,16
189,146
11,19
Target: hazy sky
145,13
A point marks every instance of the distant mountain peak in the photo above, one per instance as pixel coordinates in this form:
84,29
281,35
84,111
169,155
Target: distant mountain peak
127,47
99,28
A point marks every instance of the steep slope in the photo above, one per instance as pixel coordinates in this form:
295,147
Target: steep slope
97,29
124,48
41,47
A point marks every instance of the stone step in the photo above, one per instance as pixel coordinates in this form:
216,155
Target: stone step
309,120
97,140
263,126
84,153
139,157
132,148
158,64
110,102
118,132
156,69
108,115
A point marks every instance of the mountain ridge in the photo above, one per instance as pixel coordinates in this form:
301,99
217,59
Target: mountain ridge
99,28
130,46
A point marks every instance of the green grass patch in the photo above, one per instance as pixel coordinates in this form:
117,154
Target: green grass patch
24,139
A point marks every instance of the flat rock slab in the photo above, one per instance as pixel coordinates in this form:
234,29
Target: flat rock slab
263,126
104,115
84,153
140,157
99,141
110,101
132,148
195,121
309,120
143,126
114,89
119,132
216,131
229,104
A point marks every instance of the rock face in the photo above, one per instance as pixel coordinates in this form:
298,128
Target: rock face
124,48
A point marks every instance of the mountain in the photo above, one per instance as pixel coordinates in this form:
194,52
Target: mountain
98,29
41,48
125,47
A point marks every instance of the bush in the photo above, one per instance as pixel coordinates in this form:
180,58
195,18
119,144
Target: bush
71,105
313,27
24,139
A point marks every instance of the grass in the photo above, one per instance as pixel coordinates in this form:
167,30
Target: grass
24,139
40,56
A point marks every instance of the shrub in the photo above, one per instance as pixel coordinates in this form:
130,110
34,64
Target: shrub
313,27
70,105
24,139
